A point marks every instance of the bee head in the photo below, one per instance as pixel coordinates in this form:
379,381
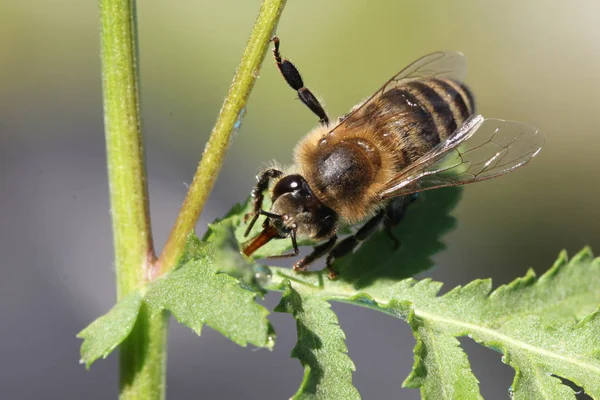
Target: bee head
299,209
295,212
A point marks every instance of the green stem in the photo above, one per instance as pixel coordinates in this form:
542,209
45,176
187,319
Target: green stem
142,355
214,152
125,151
142,358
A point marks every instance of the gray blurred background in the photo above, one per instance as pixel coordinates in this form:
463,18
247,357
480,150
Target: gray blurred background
534,61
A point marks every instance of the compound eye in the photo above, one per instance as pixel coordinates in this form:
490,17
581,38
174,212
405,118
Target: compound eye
287,184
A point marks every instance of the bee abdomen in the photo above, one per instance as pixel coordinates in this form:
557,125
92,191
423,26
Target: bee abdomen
429,111
458,97
447,105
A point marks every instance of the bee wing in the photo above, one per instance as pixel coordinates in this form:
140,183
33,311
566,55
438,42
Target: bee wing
480,149
442,64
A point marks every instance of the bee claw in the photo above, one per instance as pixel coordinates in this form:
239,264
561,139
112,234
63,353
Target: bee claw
300,266
332,274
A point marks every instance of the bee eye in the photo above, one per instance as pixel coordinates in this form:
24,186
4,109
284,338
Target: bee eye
287,184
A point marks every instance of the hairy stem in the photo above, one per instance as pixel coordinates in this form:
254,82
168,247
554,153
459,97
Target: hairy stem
214,152
125,150
142,355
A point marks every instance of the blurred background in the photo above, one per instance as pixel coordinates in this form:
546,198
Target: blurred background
534,61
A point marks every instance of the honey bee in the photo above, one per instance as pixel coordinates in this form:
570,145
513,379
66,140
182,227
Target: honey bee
418,132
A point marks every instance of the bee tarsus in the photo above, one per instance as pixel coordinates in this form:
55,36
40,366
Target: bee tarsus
295,251
394,214
318,252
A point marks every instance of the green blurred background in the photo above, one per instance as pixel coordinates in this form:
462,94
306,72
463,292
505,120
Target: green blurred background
534,61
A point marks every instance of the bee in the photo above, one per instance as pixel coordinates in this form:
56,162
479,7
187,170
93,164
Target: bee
418,132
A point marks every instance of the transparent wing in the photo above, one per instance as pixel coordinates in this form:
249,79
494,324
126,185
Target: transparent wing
449,64
480,149
442,64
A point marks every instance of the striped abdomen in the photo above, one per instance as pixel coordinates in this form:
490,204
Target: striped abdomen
418,115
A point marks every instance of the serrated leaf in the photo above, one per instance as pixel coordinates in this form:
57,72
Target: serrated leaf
202,290
532,321
537,351
199,292
440,355
103,335
376,261
567,291
320,348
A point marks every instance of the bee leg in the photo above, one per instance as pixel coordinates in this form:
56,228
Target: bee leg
293,253
348,244
388,229
292,77
258,196
318,252
394,213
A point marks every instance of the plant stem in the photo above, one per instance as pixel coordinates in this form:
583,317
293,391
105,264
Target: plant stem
214,152
142,358
124,146
142,355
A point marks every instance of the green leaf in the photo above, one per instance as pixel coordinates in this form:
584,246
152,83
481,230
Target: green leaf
536,323
440,356
546,328
212,285
568,291
537,351
375,265
531,321
201,291
320,348
103,335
